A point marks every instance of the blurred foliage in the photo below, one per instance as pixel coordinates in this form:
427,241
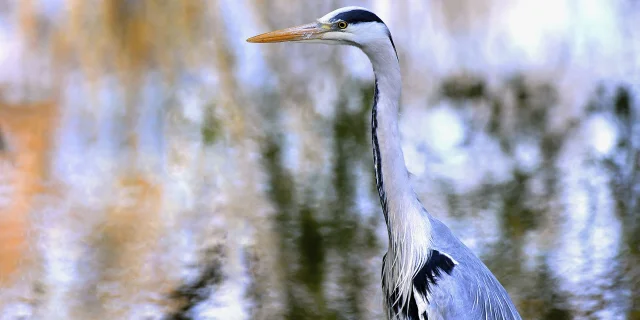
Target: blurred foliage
217,215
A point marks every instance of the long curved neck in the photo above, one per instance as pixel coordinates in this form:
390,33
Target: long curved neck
406,219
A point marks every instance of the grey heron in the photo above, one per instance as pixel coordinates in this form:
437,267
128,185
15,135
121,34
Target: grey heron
427,273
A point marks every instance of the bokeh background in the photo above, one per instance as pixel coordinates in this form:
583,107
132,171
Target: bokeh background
154,165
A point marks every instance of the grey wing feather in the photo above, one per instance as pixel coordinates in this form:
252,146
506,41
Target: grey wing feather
470,291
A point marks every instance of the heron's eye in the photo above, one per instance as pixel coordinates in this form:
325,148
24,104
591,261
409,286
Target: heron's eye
342,25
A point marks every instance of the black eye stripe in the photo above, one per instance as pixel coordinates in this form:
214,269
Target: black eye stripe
356,16
360,16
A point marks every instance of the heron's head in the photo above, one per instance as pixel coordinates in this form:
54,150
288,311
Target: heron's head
349,26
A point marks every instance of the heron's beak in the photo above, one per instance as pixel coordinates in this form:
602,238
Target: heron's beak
300,33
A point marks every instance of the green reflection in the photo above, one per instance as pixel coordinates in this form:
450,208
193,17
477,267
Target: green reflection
322,224
211,127
311,250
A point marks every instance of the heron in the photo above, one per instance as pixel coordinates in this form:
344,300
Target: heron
427,272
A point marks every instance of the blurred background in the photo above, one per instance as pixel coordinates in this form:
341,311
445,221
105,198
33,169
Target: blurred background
154,165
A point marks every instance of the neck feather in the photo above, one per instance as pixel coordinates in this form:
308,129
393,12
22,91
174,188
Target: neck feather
407,222
398,199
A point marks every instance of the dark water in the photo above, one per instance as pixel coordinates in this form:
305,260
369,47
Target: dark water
314,223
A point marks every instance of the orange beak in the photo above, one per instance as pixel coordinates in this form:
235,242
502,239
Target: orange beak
300,33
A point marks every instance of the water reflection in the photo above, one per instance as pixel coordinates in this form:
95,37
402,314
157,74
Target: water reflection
175,172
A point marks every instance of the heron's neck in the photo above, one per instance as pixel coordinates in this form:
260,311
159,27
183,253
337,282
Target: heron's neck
407,222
